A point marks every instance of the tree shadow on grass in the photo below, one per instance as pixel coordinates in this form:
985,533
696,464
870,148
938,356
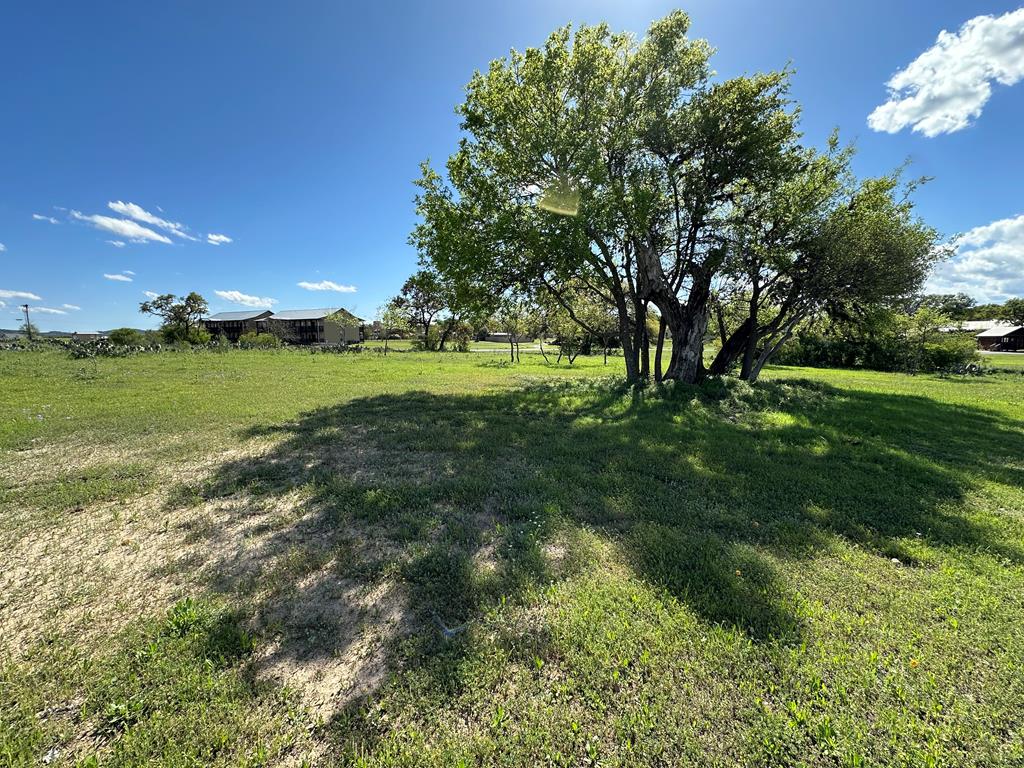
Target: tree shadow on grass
369,520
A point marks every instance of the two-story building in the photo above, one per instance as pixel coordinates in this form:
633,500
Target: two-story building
234,324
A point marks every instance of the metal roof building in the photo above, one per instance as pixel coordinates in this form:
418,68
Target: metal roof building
1002,338
230,317
234,324
327,325
314,314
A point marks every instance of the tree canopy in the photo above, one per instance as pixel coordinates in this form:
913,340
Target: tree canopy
1013,311
624,167
181,320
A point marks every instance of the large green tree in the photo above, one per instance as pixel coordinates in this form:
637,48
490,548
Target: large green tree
621,166
181,319
1013,311
956,306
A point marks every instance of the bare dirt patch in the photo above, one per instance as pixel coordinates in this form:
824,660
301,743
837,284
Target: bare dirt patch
279,559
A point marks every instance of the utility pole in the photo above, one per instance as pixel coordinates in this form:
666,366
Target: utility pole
28,323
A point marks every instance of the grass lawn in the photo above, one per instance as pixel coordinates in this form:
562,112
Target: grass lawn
278,558
1010,360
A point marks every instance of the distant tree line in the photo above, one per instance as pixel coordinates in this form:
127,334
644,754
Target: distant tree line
959,307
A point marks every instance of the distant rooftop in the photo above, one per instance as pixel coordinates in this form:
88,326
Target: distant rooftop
1000,330
980,325
313,314
251,314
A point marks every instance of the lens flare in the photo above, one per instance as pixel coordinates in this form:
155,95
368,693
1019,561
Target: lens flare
560,198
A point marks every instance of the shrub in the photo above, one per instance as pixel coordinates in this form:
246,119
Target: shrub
899,345
175,335
127,337
83,350
427,343
459,338
954,352
253,340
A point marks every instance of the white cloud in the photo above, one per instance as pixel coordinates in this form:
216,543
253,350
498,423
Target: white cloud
2,247
48,311
137,212
124,227
237,297
988,263
4,294
117,243
947,86
71,306
127,272
327,285
118,278
150,294
214,239
40,217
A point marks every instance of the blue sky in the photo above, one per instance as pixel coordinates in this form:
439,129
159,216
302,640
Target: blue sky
295,130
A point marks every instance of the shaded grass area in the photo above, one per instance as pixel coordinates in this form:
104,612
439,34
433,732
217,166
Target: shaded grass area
734,595
824,569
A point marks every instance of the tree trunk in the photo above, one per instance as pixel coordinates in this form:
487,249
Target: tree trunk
687,362
688,323
628,351
720,314
511,350
731,349
632,370
766,355
644,341
751,347
659,348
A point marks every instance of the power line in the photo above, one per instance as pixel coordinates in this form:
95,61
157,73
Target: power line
28,323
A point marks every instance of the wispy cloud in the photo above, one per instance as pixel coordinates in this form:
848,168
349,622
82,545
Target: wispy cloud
117,243
988,263
2,247
124,227
948,85
327,285
150,294
48,311
237,297
41,217
5,294
118,278
127,272
215,239
137,212
71,306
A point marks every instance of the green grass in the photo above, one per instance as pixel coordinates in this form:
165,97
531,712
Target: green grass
824,569
172,691
1008,360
